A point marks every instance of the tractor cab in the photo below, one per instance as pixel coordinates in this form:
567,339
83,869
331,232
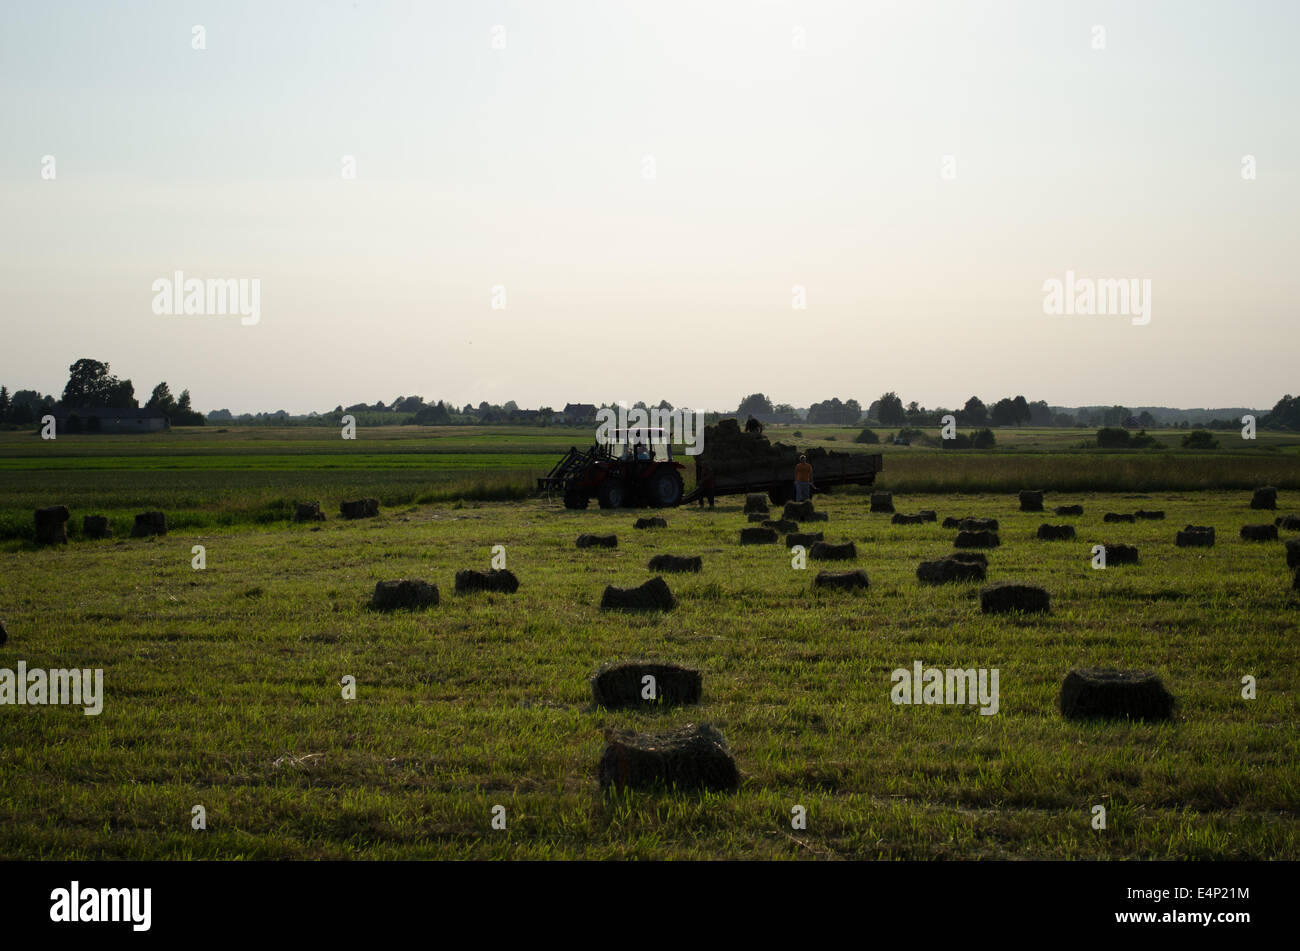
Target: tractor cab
639,445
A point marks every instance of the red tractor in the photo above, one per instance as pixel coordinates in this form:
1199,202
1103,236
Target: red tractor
635,468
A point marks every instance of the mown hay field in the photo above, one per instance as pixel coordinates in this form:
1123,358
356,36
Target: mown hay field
223,689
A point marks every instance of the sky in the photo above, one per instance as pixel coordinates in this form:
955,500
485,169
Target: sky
578,201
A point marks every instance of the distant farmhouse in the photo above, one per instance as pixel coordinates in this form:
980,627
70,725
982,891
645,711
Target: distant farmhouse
578,413
108,419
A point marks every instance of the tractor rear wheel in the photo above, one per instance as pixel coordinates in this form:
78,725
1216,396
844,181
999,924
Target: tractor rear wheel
780,495
611,494
575,499
664,488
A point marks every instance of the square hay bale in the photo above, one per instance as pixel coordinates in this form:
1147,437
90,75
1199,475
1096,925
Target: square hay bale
984,539
806,539
1031,500
653,595
677,563
826,551
951,522
1121,555
882,501
498,580
308,512
781,525
51,524
901,519
754,517
756,503
95,526
1265,497
1195,536
407,594
1106,693
1119,517
928,515
1293,552
359,508
1288,523
1002,597
1259,533
842,580
945,570
1069,510
799,511
694,757
597,541
149,523
1055,533
1150,514
757,536
653,522
618,686
971,524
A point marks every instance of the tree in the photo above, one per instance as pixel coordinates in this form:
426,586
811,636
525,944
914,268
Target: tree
1040,414
162,400
1003,413
1146,419
1200,439
90,384
183,404
890,411
4,404
756,405
1022,414
974,413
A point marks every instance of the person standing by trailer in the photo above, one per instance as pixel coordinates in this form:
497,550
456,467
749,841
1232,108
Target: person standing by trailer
704,477
803,480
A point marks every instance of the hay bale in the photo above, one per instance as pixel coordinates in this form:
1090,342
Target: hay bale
928,515
1288,523
756,503
757,536
597,541
95,526
1121,555
977,540
653,595
1004,596
971,524
1107,693
1154,514
308,512
781,525
1054,533
694,757
1195,536
51,524
654,522
149,523
842,580
1265,497
951,522
901,519
799,511
1031,501
1293,552
1295,581
882,502
359,508
1259,533
678,563
620,686
4,634
1119,517
407,594
806,539
826,551
753,517
1069,510
498,580
945,570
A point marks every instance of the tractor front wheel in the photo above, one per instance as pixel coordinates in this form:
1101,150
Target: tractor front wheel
575,499
611,494
664,488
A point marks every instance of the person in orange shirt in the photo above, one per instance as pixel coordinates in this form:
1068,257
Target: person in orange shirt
803,480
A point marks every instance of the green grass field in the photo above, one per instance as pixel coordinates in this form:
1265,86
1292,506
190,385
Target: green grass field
223,685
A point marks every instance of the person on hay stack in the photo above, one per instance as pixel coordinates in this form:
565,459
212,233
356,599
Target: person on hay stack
803,480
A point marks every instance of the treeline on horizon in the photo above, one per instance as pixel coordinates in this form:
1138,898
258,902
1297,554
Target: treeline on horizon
91,385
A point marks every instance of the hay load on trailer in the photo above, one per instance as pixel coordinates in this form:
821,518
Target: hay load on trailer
746,461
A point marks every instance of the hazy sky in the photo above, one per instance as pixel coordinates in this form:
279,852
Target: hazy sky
774,166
